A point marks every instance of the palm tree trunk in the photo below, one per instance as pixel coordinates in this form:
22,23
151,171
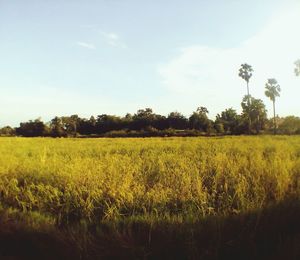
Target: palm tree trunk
249,119
274,117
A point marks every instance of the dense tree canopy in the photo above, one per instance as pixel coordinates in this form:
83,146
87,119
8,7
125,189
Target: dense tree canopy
147,123
33,128
177,121
7,131
199,120
256,111
289,125
230,121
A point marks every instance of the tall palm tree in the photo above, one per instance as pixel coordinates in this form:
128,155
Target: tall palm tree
272,91
245,72
297,68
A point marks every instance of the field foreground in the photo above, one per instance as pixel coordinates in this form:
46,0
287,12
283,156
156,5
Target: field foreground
185,198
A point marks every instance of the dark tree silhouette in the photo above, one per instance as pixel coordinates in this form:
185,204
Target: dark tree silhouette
177,121
199,120
33,128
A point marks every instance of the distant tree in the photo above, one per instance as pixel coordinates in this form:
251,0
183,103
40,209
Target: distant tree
71,124
256,112
57,127
92,121
229,119
272,91
128,116
199,120
32,128
87,126
177,121
245,72
219,127
202,110
289,125
127,121
106,123
142,119
297,68
92,125
160,122
75,121
145,113
7,131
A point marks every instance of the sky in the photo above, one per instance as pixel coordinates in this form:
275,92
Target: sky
91,57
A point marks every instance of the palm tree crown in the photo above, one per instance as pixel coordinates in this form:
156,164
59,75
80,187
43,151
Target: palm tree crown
245,71
297,68
272,89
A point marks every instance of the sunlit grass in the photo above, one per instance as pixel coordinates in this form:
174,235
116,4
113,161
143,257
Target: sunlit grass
150,198
182,178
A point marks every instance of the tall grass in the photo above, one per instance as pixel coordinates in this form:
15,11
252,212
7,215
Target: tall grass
75,179
90,182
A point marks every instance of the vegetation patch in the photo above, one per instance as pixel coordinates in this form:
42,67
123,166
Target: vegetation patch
147,198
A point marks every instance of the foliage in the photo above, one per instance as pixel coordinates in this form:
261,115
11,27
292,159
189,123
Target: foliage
230,121
256,111
177,121
199,120
33,128
272,91
297,67
245,72
146,123
57,127
7,131
289,125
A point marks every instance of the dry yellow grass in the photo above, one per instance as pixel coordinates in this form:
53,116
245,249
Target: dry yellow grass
165,178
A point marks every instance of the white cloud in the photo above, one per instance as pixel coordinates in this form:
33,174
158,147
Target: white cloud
209,75
113,39
86,45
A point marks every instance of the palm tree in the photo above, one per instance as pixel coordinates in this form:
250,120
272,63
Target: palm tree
245,72
272,91
297,68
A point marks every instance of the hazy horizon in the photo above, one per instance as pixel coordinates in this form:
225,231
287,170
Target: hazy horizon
95,57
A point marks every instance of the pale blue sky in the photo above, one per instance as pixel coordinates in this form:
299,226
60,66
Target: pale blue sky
116,56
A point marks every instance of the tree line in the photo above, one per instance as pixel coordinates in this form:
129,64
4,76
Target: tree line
147,123
252,120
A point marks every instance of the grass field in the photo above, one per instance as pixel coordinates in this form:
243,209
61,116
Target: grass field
187,198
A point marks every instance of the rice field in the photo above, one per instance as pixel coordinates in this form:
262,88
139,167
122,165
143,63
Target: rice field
68,183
